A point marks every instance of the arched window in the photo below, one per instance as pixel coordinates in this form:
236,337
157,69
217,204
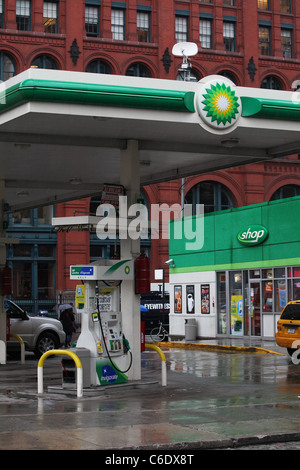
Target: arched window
138,70
271,83
289,190
7,67
44,62
215,197
229,75
98,66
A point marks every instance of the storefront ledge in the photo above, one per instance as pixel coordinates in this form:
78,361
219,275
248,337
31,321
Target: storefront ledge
217,347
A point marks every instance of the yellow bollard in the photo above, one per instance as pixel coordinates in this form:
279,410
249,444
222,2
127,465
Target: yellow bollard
22,347
64,352
163,362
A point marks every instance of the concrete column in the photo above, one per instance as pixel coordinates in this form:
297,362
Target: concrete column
2,263
130,302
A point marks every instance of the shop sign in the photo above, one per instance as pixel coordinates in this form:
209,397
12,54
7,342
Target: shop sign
252,235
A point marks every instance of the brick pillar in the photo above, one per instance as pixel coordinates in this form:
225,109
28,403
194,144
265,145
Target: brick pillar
165,38
194,22
250,25
37,16
218,26
296,31
131,34
276,49
105,29
10,18
74,42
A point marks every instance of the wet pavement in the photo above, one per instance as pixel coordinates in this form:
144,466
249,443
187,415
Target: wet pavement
219,395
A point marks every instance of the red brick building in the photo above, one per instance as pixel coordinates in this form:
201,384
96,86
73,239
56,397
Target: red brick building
255,43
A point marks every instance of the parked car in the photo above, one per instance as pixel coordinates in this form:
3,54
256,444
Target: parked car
38,333
288,327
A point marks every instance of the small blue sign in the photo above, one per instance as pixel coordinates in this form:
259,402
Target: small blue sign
109,374
87,271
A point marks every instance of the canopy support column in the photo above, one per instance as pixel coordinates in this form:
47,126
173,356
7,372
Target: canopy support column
2,264
130,302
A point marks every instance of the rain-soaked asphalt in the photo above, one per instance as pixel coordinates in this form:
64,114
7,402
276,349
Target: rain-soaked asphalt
213,400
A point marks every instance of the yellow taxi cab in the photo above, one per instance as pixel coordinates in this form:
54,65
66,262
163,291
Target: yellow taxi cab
288,327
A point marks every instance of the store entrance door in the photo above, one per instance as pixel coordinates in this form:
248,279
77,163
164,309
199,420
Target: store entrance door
254,309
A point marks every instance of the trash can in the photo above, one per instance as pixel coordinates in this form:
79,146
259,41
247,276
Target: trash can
190,329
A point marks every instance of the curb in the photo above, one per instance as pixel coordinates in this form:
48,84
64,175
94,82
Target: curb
218,347
229,443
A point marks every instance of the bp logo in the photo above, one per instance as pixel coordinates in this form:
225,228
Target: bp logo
218,104
252,235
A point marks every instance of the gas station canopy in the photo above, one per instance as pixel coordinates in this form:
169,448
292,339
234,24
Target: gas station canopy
61,132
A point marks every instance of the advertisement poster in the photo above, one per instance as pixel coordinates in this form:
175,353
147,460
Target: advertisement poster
205,298
190,299
236,314
282,294
79,298
177,299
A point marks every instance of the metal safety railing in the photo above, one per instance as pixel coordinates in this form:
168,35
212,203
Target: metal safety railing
163,362
65,352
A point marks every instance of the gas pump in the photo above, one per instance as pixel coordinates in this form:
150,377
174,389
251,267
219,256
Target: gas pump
109,356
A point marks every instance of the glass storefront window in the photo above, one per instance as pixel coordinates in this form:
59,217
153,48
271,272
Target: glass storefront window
245,298
46,281
267,300
22,280
296,289
280,292
45,251
22,217
279,272
255,309
44,215
35,217
255,274
22,251
221,306
246,302
296,272
236,302
267,273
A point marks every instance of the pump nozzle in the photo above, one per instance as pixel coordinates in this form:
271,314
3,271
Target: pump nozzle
126,345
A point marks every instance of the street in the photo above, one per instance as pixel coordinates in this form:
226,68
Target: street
212,400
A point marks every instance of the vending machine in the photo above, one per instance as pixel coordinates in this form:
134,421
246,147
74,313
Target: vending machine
109,355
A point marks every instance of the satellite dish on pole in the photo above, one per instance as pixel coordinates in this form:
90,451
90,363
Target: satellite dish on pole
185,50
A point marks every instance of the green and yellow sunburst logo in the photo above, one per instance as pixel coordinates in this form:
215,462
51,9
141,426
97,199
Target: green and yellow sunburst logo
220,104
